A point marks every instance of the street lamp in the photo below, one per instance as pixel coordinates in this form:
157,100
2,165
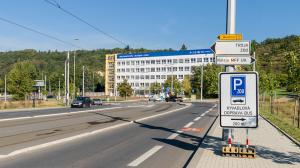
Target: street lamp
74,75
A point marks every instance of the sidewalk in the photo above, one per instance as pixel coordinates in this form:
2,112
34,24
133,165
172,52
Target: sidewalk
274,150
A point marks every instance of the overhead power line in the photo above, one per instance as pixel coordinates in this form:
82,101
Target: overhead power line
56,4
38,32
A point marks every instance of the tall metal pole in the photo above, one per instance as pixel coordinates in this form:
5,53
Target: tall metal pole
74,76
201,98
58,88
68,78
230,29
5,94
65,75
83,81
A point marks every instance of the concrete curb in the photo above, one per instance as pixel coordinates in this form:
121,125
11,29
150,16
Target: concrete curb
283,132
193,162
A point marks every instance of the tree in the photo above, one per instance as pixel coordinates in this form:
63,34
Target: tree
124,89
176,85
183,47
21,79
186,84
155,88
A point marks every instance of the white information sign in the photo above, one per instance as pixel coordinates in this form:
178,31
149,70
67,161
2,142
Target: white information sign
238,99
232,48
236,60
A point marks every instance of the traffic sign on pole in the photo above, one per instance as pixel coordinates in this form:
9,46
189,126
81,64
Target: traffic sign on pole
235,60
238,99
231,47
230,37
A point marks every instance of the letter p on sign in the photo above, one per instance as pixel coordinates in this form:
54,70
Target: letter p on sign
238,86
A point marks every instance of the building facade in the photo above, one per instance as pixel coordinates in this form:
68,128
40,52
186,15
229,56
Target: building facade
143,69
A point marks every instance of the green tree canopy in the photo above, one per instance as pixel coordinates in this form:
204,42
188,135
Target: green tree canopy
21,79
176,85
155,88
183,47
125,89
186,84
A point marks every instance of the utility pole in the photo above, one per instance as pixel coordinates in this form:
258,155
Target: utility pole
82,80
74,76
230,29
68,79
201,98
58,88
65,75
5,94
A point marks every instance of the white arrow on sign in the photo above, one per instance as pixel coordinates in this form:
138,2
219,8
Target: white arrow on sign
236,60
231,47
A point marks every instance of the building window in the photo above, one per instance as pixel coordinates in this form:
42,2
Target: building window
163,76
147,69
142,77
157,76
152,61
118,70
142,69
169,69
187,60
152,69
119,63
127,70
157,61
142,84
123,77
137,69
174,69
147,77
132,77
127,77
211,59
123,70
132,69
186,68
137,85
180,61
180,68
193,60
205,59
180,76
137,62
157,69
118,77
164,61
147,62
132,62
123,63
137,77
199,59
175,61
169,61
163,69
152,76
147,84
127,62
142,62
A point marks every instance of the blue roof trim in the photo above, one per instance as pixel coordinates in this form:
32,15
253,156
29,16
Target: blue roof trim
165,53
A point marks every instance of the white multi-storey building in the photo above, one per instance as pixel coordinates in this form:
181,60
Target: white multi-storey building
143,69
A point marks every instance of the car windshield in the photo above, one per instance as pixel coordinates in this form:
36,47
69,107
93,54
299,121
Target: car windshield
80,98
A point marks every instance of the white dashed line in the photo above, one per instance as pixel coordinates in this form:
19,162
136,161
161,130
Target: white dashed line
174,135
196,119
188,124
145,156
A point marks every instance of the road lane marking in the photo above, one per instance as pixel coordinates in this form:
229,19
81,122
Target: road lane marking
145,156
174,135
202,114
196,119
68,139
188,124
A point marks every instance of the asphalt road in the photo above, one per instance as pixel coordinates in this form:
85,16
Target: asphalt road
164,141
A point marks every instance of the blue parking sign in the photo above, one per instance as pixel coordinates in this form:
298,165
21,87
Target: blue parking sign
238,86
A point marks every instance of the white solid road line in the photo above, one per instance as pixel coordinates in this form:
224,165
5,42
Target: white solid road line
188,124
202,114
145,156
174,135
60,141
196,119
67,113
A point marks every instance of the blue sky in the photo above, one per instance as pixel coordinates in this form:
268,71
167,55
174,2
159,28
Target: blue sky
153,24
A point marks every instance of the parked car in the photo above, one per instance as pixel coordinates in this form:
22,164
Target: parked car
97,102
154,98
81,102
174,99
